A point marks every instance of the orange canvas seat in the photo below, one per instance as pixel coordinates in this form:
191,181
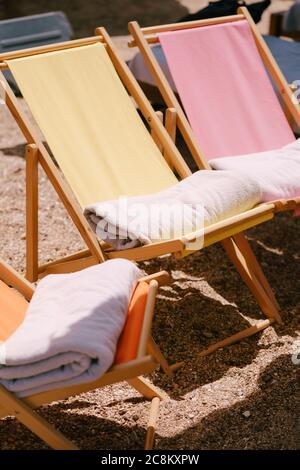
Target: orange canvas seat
12,310
129,340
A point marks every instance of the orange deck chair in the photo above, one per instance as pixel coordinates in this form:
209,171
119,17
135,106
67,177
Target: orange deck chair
137,354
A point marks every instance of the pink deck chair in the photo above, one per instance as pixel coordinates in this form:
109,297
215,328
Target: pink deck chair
222,68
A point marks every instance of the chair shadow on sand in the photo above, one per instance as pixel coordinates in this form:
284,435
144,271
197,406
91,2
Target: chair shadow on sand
88,432
272,421
209,302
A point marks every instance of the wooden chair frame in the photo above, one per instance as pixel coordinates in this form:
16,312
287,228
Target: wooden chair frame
149,357
143,37
36,153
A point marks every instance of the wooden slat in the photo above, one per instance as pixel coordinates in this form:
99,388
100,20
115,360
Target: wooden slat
148,318
146,252
151,30
246,333
146,389
154,411
162,277
49,48
287,204
75,256
67,266
12,278
170,125
26,415
252,330
155,137
273,68
243,245
244,265
222,228
154,351
119,373
31,156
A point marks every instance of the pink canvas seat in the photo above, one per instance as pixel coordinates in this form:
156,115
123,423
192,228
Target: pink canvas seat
232,106
225,90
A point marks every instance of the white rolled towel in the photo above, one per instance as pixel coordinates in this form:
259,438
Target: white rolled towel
202,199
71,329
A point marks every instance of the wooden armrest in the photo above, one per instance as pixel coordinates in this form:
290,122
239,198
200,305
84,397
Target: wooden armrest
12,278
162,277
283,205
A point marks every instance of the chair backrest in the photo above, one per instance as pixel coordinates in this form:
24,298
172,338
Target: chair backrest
225,89
91,124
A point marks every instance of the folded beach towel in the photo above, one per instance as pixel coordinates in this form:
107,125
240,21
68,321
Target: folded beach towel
276,171
70,332
202,199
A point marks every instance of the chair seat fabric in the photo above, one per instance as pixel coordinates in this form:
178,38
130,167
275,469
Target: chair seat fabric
228,98
13,309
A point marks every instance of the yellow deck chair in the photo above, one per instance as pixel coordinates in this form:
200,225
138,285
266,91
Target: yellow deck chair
78,93
136,354
143,38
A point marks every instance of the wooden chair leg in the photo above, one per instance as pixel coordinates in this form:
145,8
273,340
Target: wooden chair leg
252,330
244,246
31,155
154,411
170,125
146,389
246,333
244,259
153,133
247,272
34,422
155,351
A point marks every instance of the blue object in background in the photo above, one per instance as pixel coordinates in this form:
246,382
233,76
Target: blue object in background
287,55
33,31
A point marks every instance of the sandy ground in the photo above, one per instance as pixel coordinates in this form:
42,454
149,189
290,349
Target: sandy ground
243,397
